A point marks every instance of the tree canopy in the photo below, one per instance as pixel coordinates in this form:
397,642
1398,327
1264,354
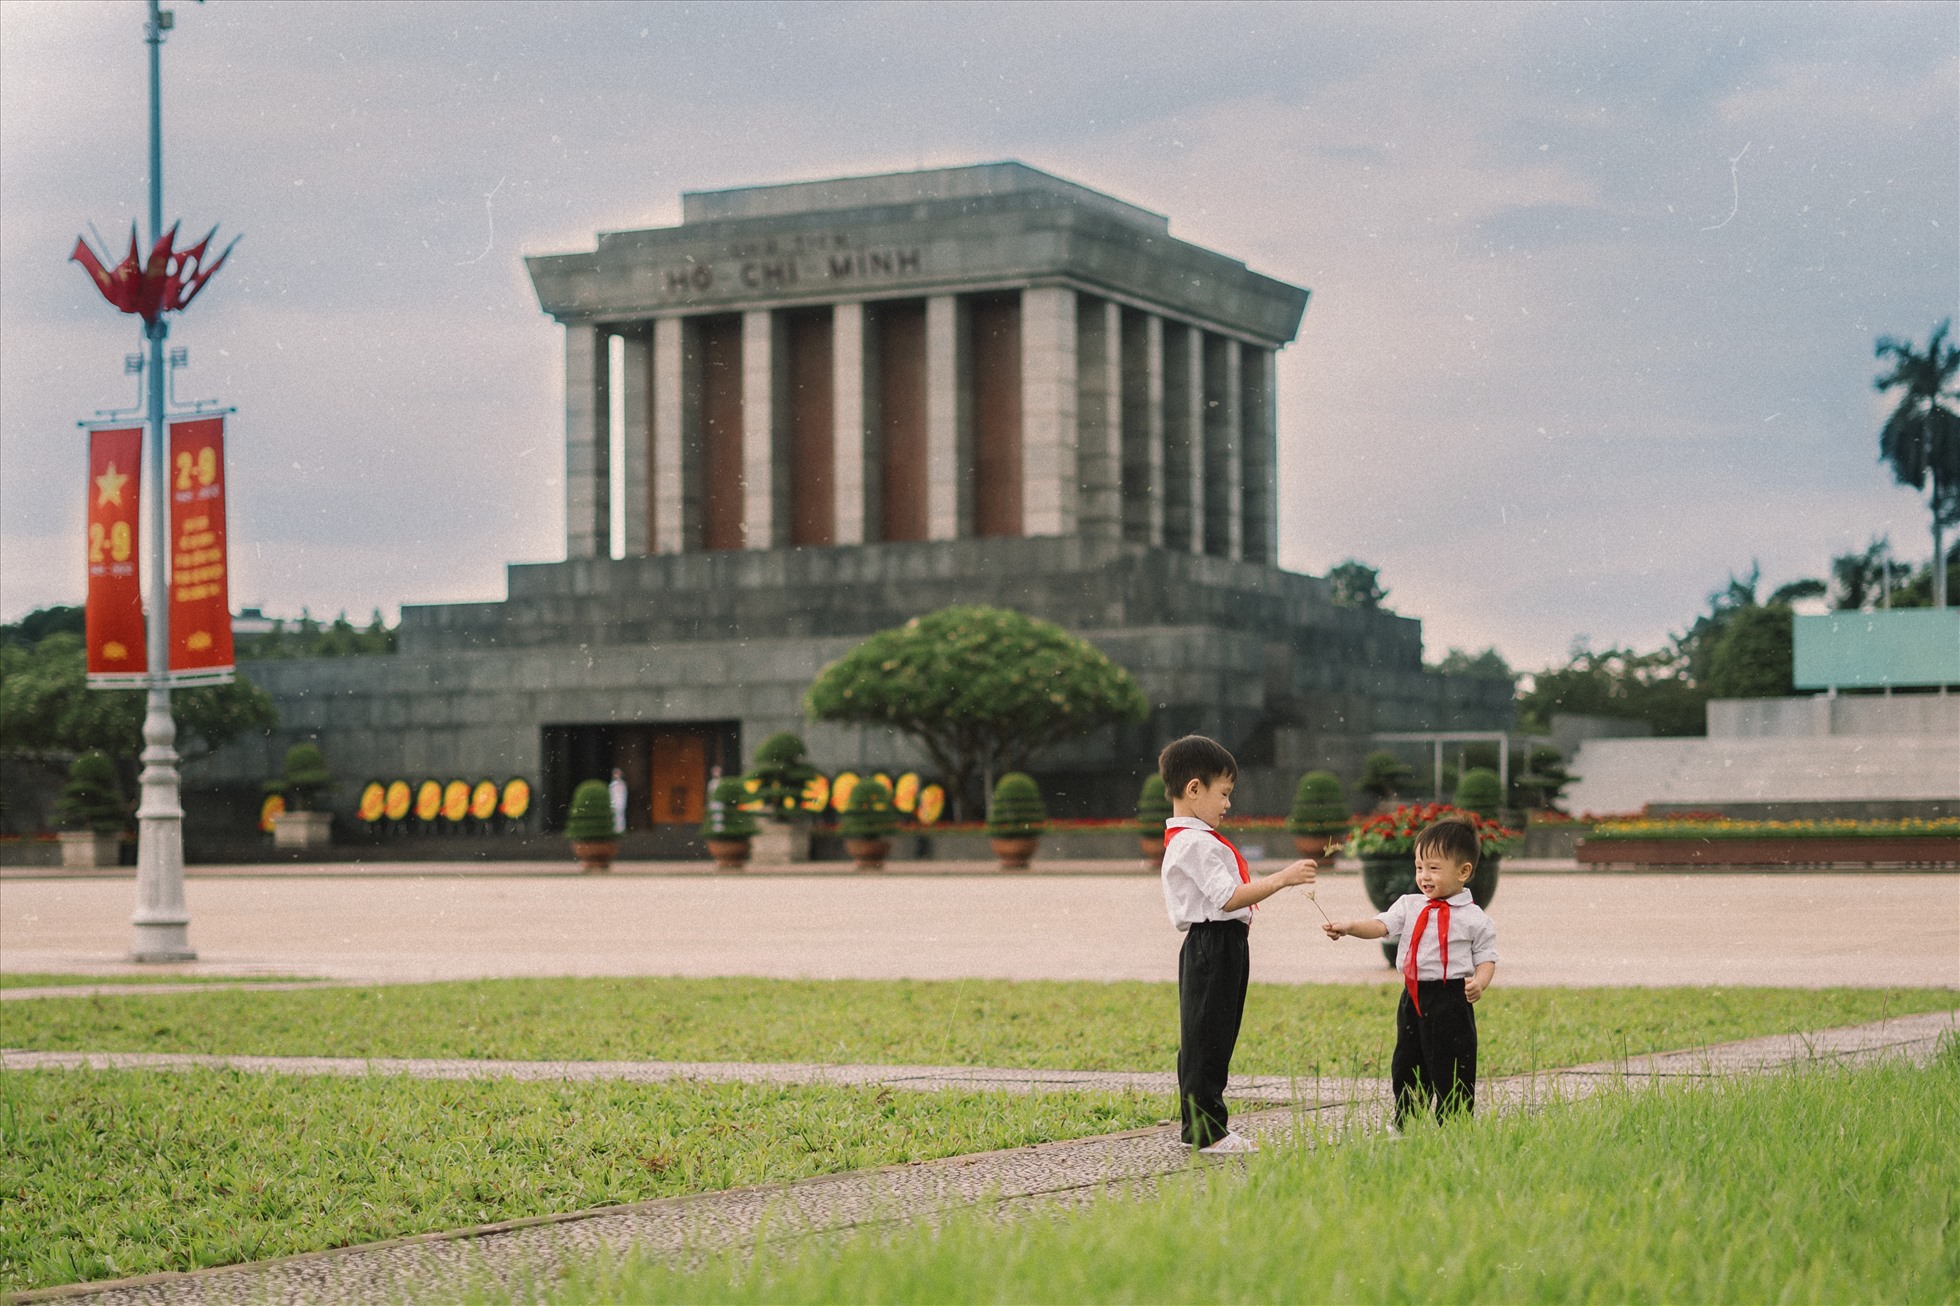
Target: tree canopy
1921,438
983,690
1354,584
48,713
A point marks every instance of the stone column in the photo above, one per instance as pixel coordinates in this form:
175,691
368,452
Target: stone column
676,441
765,442
1259,448
1049,464
588,442
1184,438
636,377
1224,530
949,482
1099,419
856,475
1142,417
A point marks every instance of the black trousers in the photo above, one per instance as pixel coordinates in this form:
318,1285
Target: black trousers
1213,968
1435,1060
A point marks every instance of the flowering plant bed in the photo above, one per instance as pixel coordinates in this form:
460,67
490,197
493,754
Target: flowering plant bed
1394,833
1718,841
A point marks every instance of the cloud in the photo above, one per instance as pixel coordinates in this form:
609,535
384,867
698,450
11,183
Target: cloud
1532,385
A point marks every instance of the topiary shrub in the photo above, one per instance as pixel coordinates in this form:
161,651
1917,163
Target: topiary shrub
868,814
306,777
1017,811
726,819
1319,806
1153,807
1383,774
1480,791
92,799
783,768
591,814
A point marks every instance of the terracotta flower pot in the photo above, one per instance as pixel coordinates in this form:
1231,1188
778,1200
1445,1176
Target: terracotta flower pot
1152,848
1309,845
1015,852
869,854
729,854
595,854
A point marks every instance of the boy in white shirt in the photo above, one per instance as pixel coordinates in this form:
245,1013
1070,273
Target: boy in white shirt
1447,957
1209,892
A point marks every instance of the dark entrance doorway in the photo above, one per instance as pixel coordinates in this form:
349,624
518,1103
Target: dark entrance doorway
667,767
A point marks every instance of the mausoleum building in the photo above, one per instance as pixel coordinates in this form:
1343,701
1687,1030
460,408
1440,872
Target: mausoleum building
842,404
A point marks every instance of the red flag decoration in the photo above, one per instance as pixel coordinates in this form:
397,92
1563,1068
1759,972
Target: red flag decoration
114,615
166,282
200,608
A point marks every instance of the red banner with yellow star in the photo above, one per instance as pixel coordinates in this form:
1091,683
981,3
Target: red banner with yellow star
114,613
200,605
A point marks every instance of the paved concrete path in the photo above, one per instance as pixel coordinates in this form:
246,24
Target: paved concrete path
1040,1177
1698,928
1269,1089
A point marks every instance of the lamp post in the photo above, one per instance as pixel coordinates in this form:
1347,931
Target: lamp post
162,920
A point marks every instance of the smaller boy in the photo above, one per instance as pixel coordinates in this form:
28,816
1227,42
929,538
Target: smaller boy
1447,956
1209,892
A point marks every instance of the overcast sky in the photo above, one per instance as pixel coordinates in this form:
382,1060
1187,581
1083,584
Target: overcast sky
1595,287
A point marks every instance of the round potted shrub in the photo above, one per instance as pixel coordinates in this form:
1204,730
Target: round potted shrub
589,825
867,823
779,774
1153,809
1386,844
303,824
1320,812
1480,791
92,813
1016,820
1383,774
728,829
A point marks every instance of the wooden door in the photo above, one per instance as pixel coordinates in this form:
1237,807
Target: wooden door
680,777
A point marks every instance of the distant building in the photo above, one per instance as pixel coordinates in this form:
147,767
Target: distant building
849,402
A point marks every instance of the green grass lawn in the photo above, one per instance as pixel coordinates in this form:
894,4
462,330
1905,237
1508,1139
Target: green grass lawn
1821,1186
31,980
108,1174
1289,1029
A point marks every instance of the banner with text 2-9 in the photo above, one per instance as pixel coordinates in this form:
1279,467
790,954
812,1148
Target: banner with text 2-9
117,655
200,607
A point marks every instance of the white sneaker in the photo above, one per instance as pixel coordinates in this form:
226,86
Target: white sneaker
1233,1144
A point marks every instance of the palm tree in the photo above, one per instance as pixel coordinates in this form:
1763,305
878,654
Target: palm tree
1921,438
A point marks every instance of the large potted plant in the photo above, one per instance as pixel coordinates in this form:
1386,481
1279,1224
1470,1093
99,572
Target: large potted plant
727,828
1153,809
303,824
1383,774
1320,812
776,782
1386,843
589,825
1015,820
92,813
867,823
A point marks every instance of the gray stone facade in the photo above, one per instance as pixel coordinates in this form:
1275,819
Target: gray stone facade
1088,407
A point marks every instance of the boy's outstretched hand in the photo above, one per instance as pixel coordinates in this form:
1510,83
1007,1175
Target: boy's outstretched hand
1300,872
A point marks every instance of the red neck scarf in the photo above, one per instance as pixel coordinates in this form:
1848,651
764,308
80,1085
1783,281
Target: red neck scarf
1245,872
1442,909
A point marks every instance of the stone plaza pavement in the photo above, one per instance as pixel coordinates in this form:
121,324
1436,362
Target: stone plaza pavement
428,923
1046,1177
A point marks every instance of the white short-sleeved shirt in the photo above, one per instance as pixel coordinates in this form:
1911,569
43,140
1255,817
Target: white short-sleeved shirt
1473,939
1200,874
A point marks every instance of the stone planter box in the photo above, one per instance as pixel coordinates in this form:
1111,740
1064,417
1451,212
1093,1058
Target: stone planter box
779,843
1827,851
84,850
302,830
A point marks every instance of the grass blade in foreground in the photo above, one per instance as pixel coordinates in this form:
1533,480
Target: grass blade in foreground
1824,1185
